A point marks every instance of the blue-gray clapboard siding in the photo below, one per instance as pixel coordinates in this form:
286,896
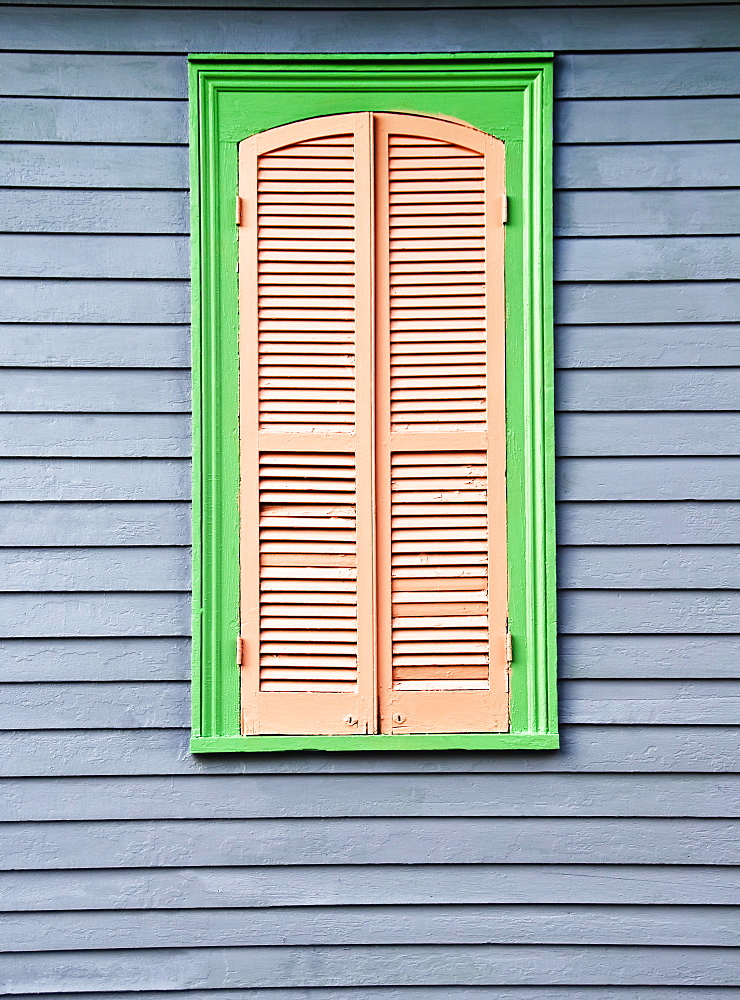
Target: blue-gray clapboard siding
132,868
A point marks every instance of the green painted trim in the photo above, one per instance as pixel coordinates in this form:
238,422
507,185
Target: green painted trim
416,741
508,95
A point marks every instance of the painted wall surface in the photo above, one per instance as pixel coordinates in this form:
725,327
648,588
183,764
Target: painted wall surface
131,868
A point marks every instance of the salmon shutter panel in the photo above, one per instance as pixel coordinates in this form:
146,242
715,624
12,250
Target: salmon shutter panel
440,432
306,368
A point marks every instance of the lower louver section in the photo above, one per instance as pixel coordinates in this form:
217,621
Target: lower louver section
308,641
308,576
439,571
442,647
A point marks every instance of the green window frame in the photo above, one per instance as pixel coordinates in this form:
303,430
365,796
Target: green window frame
509,96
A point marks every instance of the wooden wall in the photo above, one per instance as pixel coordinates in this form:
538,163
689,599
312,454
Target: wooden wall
135,869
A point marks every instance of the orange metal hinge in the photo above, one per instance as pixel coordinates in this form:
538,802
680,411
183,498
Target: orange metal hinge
509,648
240,211
239,650
504,209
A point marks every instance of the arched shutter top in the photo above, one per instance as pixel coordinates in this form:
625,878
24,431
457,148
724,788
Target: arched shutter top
371,417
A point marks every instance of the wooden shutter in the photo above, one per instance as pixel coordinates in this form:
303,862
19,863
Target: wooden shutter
306,428
440,441
373,428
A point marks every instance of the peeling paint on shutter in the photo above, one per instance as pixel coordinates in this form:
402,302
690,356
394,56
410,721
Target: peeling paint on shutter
440,427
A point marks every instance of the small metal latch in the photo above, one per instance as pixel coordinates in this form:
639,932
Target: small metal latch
239,650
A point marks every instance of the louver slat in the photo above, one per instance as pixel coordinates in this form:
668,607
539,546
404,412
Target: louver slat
441,448
306,429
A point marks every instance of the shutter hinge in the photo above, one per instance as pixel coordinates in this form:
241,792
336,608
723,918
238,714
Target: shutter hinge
509,648
239,650
239,211
504,209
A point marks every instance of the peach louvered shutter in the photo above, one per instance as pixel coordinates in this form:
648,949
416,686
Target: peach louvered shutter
306,428
373,428
440,444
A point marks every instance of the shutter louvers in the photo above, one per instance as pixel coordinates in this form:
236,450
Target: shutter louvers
305,424
441,449
372,426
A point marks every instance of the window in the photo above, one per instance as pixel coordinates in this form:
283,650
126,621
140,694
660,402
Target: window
373,413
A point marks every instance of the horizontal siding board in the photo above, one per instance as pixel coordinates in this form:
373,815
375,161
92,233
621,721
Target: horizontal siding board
62,210
95,479
595,611
643,302
168,523
181,31
104,705
668,345
159,568
364,925
75,74
615,74
83,165
712,211
325,885
35,390
43,345
673,258
91,614
149,435
584,748
666,523
466,841
646,389
650,165
151,658
264,796
141,658
659,433
168,568
623,74
677,478
636,74
663,258
182,968
29,255
639,166
651,702
674,119
52,523
645,213
49,119
712,567
649,656
33,300
95,659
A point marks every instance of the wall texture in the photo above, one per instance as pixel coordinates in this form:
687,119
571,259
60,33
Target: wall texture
597,873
